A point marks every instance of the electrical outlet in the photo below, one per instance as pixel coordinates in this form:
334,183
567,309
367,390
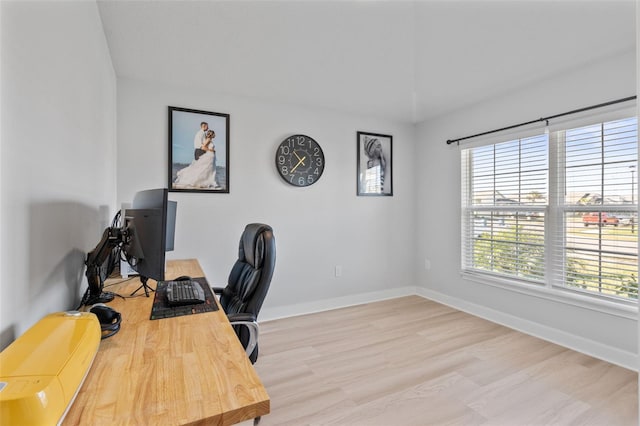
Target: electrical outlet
427,264
338,271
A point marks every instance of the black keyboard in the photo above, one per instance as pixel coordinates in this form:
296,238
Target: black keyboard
184,293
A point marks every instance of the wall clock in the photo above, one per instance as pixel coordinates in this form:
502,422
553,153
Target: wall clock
300,160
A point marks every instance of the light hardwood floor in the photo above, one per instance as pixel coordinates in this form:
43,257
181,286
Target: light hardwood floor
411,361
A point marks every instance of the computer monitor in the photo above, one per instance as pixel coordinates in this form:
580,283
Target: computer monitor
150,225
146,232
158,199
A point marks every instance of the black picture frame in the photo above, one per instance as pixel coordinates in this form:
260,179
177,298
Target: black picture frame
187,171
374,164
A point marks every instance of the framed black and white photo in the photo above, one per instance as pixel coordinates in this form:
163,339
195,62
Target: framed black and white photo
375,175
198,151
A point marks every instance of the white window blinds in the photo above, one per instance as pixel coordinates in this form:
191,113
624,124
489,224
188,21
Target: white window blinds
555,210
504,203
597,248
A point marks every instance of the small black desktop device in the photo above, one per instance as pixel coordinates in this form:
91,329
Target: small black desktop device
145,233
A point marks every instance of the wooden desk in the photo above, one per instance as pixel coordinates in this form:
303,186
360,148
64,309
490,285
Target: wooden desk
184,370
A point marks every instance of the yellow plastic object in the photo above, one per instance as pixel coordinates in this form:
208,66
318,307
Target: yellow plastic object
42,370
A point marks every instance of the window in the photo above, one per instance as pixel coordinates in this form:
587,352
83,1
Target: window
556,210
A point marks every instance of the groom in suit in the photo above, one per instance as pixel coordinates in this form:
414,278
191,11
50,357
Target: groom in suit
198,140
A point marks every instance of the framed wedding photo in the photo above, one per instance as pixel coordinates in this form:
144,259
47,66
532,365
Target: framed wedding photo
198,151
375,177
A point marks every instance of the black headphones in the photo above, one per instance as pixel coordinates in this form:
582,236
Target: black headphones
109,319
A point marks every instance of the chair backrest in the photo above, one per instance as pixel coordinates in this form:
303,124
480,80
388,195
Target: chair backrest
251,274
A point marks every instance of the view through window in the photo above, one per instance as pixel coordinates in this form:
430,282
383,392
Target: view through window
558,210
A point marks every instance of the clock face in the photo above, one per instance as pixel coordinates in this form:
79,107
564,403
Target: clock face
300,160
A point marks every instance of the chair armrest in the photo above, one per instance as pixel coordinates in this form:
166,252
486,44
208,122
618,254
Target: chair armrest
249,321
217,290
241,317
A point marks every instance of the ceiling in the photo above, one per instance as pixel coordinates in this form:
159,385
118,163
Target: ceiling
402,60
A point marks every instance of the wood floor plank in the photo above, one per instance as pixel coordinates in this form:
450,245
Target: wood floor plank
411,361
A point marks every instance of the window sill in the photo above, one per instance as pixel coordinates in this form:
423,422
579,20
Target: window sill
623,309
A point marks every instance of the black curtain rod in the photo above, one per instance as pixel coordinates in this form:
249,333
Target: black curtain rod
617,101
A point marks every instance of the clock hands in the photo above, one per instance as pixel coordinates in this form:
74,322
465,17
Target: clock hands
300,161
296,166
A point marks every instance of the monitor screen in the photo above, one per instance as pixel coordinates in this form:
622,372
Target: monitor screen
150,224
145,246
157,199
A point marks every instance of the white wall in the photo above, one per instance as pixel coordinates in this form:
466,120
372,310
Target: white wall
608,336
316,228
58,155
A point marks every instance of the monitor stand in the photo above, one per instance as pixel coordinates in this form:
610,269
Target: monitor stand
144,286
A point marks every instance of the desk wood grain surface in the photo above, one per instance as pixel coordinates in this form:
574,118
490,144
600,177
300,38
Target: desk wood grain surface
184,370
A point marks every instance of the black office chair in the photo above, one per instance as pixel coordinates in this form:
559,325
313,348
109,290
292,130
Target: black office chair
248,284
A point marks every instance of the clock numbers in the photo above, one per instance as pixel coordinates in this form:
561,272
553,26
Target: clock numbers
300,160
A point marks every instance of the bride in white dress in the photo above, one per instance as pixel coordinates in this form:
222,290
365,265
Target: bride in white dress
201,173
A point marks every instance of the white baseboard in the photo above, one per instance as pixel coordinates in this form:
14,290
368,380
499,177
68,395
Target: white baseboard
580,344
271,313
